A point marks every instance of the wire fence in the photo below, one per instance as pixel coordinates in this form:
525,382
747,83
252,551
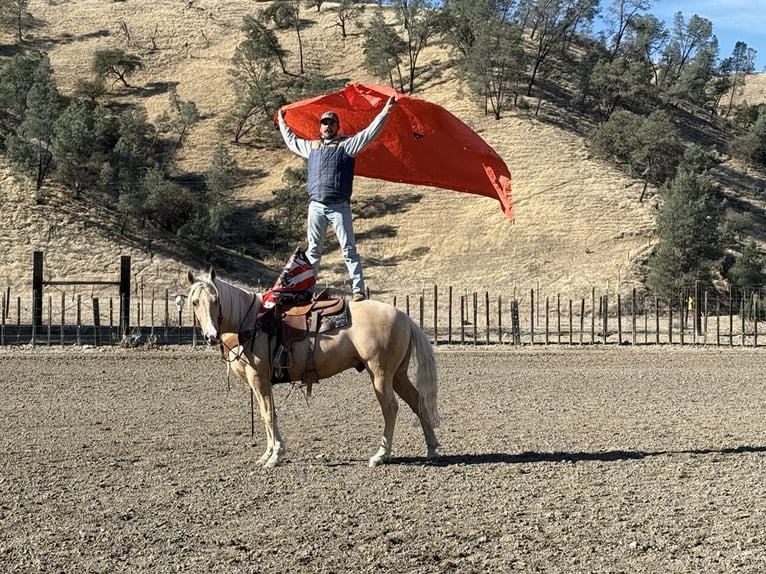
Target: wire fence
693,317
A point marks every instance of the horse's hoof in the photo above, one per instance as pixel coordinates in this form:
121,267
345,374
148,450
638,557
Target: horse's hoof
264,459
432,454
377,460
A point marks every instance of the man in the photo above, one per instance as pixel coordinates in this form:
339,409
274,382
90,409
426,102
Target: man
330,185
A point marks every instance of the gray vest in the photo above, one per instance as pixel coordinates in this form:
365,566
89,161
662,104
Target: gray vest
330,173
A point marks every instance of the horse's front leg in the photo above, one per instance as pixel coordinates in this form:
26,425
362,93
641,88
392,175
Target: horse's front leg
274,444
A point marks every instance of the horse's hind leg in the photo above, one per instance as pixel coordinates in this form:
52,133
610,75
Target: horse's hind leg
382,383
405,389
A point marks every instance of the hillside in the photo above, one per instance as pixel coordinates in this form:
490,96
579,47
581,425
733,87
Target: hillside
578,222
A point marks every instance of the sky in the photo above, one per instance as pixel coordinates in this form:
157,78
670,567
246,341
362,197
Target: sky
733,21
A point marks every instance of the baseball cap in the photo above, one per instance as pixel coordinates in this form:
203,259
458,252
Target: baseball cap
329,116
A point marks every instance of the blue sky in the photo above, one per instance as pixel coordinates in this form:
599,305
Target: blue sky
733,20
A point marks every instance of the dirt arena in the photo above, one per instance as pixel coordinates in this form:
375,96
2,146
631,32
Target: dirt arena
646,460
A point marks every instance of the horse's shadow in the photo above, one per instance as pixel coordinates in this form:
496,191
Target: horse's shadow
531,457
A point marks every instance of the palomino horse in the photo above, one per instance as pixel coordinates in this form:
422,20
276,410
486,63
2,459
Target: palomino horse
380,340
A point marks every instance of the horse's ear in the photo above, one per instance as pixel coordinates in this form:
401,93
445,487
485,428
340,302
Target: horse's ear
212,273
190,277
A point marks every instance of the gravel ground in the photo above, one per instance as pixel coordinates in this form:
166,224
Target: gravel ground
555,460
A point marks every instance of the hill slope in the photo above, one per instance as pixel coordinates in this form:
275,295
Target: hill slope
578,222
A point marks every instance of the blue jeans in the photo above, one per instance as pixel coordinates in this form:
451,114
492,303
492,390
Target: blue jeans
339,216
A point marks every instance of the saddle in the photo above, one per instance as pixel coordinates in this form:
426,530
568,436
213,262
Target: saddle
301,322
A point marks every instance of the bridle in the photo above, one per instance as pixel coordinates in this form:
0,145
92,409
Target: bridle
219,322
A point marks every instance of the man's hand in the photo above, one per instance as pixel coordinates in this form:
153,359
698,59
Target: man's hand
282,113
390,103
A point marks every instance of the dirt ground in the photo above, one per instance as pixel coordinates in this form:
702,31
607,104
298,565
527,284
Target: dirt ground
643,460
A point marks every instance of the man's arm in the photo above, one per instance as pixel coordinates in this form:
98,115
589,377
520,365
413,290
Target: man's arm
357,143
294,143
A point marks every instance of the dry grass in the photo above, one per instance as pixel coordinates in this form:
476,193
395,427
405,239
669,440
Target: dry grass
579,223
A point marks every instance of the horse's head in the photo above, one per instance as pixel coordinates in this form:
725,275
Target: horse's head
206,304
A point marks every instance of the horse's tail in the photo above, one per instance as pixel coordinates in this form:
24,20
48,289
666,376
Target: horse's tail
425,374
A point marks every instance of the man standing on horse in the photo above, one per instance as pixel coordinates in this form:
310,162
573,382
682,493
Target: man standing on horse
330,185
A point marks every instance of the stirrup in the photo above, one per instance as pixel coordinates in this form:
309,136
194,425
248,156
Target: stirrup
282,358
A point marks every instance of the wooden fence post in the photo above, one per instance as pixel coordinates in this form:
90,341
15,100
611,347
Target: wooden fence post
78,323
449,316
96,323
436,315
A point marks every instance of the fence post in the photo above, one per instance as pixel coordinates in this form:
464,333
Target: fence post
619,319
755,318
96,323
63,318
582,317
486,314
500,319
37,291
532,314
475,301
547,317
742,311
449,316
78,315
670,321
558,318
593,315
462,319
50,318
124,295
436,315
516,326
717,322
633,316
731,317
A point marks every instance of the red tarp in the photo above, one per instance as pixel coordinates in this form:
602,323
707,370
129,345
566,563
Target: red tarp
421,143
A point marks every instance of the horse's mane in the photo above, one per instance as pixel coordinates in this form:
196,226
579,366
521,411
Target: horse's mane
237,304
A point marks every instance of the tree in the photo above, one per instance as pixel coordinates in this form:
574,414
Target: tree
419,19
347,11
551,21
81,145
658,149
286,14
615,81
168,205
741,63
488,47
315,4
16,78
220,178
260,42
14,14
115,64
133,156
650,148
181,117
383,50
687,42
748,269
688,232
30,148
290,206
620,16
